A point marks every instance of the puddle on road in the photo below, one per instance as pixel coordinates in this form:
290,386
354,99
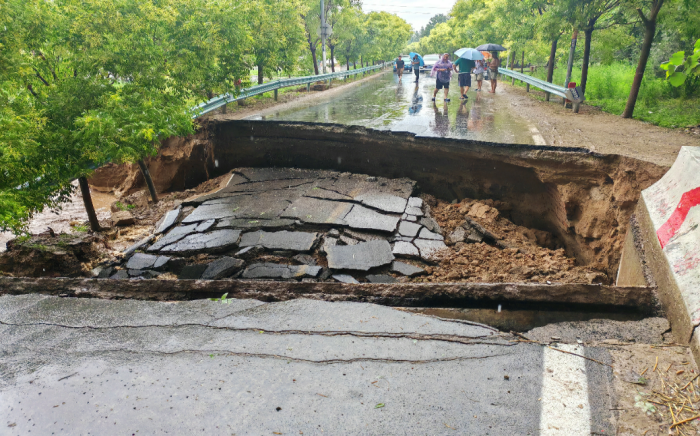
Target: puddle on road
386,104
523,320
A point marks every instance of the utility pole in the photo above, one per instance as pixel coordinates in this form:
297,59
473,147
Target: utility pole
323,35
571,60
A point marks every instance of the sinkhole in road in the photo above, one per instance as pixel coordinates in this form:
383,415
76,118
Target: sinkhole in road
581,199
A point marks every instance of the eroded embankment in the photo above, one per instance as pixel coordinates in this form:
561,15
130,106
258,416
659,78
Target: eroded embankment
584,199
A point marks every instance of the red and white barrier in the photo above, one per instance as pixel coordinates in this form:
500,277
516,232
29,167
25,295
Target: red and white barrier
668,220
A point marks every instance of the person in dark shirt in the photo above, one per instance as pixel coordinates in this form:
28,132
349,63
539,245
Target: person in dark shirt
399,67
465,75
416,66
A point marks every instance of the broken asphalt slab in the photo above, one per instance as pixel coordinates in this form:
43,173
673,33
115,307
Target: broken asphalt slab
362,256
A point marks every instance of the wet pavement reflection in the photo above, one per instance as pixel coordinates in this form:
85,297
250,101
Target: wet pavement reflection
387,104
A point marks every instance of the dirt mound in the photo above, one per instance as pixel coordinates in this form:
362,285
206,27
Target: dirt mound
60,255
507,253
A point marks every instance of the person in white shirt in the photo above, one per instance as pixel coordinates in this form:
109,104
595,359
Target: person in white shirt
479,71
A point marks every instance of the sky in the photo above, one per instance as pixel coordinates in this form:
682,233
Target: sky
415,12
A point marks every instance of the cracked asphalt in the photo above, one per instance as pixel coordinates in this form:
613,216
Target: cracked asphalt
88,366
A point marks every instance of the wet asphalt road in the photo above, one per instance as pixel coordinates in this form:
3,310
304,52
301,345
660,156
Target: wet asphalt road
87,366
387,104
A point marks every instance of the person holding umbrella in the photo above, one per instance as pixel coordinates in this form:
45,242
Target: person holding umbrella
466,64
494,64
416,62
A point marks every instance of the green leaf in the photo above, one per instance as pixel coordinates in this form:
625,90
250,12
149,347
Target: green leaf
677,58
677,78
379,406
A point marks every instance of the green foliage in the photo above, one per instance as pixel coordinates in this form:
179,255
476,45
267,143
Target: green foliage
86,81
223,299
659,102
119,205
680,68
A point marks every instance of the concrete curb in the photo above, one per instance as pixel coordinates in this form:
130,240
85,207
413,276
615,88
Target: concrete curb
667,243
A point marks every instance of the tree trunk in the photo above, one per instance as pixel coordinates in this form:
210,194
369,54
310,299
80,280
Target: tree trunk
522,62
260,74
649,33
332,59
362,62
354,64
552,57
89,208
149,180
313,56
347,64
586,57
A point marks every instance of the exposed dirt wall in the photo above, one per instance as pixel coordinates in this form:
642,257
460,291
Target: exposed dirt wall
181,163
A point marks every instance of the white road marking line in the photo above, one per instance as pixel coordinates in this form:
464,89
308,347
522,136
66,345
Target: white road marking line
565,409
536,136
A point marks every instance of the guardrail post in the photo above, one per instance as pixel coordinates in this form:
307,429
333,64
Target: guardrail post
513,82
576,106
527,87
329,83
308,87
546,96
275,94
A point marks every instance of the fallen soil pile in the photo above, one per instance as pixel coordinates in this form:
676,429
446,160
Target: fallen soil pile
487,247
52,255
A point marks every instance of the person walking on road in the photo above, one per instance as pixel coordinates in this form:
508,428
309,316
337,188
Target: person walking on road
479,69
442,71
465,75
416,66
399,67
493,75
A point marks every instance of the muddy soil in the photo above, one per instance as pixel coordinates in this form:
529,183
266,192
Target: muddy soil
515,254
597,130
640,370
72,250
53,255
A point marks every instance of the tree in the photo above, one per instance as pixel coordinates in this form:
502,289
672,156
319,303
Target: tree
388,34
276,34
103,81
649,33
434,21
588,16
351,34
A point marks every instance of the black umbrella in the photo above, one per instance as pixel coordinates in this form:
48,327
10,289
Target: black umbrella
490,47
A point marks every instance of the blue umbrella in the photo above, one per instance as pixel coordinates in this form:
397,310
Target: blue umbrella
470,53
420,58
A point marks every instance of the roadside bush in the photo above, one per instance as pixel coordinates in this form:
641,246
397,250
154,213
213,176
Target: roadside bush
659,103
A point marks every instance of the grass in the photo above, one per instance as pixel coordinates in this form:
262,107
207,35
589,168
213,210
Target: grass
121,206
658,103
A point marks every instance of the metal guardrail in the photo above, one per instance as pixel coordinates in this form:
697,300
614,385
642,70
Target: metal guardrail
574,94
274,85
